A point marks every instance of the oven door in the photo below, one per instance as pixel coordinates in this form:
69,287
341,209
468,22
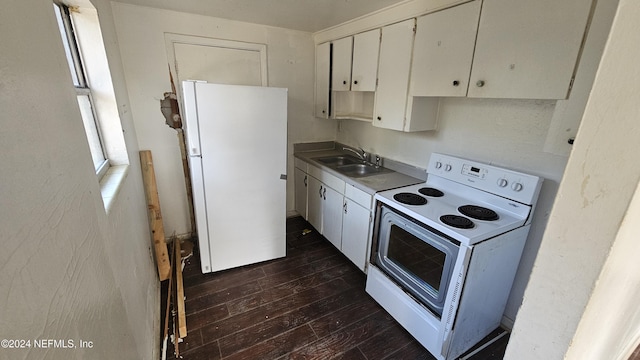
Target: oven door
418,258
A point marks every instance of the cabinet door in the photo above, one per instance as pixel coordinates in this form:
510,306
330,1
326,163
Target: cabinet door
332,216
314,203
323,63
355,232
527,49
341,64
443,51
301,181
364,69
393,75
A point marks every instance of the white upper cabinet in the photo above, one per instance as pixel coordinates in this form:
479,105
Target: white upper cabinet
443,51
366,47
393,75
528,49
341,64
355,62
353,75
323,73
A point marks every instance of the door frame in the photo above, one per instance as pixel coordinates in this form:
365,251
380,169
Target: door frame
171,39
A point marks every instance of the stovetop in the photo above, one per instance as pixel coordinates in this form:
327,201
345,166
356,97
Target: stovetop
506,198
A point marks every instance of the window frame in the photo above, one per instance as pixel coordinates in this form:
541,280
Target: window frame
80,82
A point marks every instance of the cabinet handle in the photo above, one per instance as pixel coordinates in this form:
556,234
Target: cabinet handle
379,118
480,83
344,82
305,181
355,82
323,111
456,82
344,206
324,194
320,191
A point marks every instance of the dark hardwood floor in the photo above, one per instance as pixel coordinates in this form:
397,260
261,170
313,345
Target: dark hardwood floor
309,305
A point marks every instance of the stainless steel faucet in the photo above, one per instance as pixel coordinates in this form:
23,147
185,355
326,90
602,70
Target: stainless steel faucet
361,154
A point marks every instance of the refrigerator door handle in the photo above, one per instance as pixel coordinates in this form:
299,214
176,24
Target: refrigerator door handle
191,118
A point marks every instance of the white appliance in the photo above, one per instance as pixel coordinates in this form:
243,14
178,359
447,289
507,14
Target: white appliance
445,252
237,146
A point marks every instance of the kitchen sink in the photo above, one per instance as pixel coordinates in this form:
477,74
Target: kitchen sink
352,166
361,170
339,160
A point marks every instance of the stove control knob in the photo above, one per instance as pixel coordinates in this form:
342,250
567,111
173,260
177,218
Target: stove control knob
502,182
447,167
516,187
438,164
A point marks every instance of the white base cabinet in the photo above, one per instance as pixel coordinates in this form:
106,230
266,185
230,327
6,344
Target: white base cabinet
356,226
314,203
301,181
325,199
340,212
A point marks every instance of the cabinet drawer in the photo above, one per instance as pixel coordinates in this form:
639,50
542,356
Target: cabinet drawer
302,165
358,196
329,180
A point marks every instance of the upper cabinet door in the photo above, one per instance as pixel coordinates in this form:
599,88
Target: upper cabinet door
366,47
341,64
528,49
393,75
443,51
323,69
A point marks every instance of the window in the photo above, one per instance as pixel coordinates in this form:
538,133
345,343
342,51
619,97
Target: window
83,91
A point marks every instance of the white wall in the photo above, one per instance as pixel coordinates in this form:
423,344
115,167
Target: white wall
290,57
618,287
68,269
589,223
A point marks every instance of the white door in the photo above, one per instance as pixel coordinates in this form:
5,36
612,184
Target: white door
314,203
341,64
243,142
527,49
323,74
301,184
364,68
443,51
355,232
332,216
393,75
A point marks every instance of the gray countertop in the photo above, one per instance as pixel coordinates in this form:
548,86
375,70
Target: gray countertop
403,174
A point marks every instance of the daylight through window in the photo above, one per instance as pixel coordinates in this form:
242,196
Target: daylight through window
83,91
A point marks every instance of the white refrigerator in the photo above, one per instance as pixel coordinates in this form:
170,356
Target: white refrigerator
237,146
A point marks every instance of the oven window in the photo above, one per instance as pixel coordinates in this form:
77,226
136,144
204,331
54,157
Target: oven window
421,260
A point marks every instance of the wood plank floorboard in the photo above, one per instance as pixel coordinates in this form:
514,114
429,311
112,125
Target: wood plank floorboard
310,304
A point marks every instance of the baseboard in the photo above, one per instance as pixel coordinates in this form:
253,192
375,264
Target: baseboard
157,322
507,323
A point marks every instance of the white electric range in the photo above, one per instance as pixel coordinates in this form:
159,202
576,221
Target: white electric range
445,252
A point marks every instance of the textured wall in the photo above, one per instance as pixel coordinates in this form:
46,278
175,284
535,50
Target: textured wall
68,270
585,224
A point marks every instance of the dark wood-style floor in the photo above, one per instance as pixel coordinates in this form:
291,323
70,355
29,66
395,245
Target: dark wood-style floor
309,305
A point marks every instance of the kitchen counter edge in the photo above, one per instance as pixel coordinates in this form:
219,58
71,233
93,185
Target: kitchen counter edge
370,184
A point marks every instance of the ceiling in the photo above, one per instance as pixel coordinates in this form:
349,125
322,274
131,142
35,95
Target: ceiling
304,15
